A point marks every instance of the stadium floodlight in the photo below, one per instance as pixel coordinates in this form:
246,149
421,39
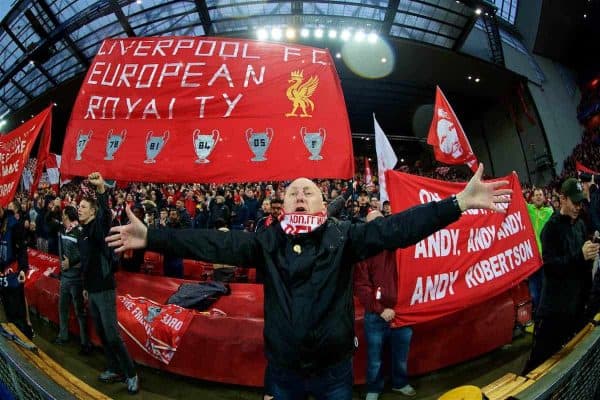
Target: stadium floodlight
359,36
304,32
290,33
318,33
276,34
332,34
346,35
372,37
262,34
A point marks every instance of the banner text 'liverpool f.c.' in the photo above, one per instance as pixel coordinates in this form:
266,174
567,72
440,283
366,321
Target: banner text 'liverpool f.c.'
183,109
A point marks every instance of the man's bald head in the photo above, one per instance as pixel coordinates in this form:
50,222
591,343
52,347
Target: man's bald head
303,195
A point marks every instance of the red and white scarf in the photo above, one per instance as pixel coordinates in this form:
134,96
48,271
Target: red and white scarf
296,223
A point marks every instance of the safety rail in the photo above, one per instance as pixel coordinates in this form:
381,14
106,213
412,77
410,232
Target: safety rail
571,373
28,373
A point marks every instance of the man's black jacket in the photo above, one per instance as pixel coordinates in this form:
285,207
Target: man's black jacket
97,275
309,314
567,276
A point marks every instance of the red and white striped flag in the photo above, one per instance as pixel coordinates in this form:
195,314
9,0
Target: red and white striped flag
53,170
368,177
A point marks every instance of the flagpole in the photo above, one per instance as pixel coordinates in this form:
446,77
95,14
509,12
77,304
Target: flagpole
524,156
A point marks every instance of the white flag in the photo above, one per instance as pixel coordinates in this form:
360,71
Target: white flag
386,159
53,168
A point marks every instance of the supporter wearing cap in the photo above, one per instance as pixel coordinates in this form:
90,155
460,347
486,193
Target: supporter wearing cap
568,259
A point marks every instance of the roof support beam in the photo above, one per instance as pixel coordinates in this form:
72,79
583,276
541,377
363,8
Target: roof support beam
390,13
16,40
122,18
464,33
22,89
72,47
204,16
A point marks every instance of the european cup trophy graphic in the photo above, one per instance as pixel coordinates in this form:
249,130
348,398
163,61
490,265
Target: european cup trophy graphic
154,145
204,144
82,141
259,143
313,142
113,142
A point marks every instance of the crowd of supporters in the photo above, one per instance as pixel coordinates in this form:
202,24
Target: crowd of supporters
243,206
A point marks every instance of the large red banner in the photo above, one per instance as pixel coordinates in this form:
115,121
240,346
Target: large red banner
175,109
481,255
15,147
156,328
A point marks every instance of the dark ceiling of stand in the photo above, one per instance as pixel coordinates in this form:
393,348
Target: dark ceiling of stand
569,32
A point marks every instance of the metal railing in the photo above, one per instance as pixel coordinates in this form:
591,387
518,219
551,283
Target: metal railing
576,376
22,379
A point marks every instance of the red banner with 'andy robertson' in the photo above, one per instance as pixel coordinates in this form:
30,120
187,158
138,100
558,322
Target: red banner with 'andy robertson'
185,109
479,256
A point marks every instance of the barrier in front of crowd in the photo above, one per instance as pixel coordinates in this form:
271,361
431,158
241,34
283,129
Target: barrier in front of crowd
28,373
572,373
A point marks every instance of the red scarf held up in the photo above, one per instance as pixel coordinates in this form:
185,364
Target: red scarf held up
297,223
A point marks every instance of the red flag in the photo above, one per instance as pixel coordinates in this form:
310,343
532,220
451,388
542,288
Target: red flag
43,150
446,135
202,109
582,168
156,328
15,147
368,176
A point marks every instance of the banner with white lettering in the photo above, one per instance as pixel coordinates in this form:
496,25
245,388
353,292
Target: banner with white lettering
201,109
156,328
15,147
481,255
40,264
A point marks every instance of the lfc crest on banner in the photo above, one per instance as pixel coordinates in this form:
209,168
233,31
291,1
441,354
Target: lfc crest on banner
299,93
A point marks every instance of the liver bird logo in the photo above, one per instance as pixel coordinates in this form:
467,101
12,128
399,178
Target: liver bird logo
300,92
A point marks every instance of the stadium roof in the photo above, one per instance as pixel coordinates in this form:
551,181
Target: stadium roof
45,43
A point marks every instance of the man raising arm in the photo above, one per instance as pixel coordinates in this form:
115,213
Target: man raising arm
306,259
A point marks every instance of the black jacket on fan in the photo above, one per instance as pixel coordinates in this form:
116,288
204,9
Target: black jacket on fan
309,308
567,276
95,265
